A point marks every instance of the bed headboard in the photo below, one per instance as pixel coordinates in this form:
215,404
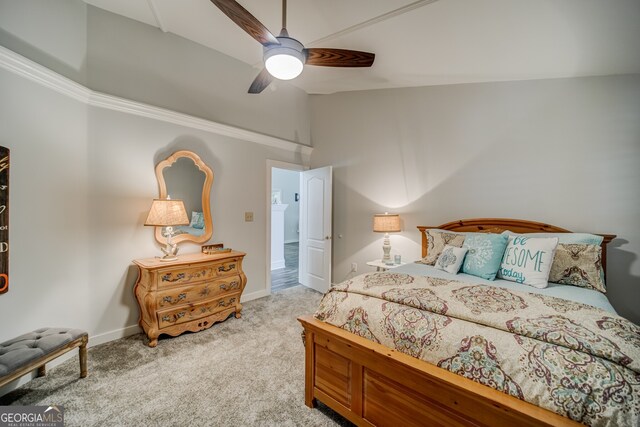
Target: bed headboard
498,225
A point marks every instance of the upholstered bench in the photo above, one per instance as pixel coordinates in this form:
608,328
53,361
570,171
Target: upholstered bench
21,355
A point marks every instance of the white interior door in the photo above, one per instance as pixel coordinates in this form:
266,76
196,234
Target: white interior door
315,229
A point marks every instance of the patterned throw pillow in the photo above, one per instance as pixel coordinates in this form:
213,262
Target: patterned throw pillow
578,265
451,258
437,240
485,254
528,260
197,220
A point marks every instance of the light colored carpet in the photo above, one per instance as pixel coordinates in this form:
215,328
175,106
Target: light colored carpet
245,372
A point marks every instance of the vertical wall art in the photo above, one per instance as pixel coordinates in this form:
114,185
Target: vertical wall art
4,220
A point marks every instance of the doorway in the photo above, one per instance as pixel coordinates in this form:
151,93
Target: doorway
285,228
301,242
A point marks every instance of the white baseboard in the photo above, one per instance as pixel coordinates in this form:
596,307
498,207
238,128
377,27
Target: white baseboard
114,335
254,295
277,264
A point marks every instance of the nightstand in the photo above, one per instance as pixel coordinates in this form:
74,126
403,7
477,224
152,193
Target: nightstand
381,266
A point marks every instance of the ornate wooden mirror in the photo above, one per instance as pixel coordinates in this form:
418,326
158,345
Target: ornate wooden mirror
184,176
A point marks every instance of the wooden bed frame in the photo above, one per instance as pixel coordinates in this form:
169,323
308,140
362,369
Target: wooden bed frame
373,385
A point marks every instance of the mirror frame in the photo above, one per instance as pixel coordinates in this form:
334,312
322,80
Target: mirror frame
206,194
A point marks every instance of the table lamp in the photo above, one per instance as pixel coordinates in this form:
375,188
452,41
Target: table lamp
386,223
167,213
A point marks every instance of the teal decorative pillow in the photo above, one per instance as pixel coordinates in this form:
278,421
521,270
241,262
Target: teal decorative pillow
566,238
484,254
451,258
197,220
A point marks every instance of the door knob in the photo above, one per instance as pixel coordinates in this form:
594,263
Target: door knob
327,237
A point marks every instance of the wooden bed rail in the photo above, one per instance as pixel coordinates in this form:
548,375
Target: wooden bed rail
372,385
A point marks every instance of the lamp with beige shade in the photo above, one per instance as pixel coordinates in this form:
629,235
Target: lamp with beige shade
386,223
167,213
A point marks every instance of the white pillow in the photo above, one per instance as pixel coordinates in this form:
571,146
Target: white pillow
450,259
528,260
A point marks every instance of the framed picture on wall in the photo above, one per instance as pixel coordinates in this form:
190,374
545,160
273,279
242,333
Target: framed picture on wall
4,220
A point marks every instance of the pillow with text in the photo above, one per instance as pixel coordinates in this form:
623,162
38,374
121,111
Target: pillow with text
528,260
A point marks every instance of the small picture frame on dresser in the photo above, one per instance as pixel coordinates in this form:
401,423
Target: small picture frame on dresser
216,248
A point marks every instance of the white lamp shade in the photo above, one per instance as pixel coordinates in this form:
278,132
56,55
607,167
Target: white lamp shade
167,212
386,223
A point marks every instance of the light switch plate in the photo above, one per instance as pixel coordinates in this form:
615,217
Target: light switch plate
248,216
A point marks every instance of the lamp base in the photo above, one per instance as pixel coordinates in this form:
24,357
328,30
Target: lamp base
171,249
386,250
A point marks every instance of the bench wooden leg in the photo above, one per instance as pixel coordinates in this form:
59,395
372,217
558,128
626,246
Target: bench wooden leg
83,357
42,371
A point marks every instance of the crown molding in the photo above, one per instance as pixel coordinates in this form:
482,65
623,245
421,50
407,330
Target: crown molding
369,22
37,73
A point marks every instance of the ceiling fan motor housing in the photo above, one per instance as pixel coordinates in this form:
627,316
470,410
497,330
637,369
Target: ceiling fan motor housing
289,47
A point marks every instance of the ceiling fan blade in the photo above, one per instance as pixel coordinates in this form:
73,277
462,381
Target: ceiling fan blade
246,21
261,81
338,57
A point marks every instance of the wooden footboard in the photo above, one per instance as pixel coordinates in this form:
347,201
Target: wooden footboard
372,385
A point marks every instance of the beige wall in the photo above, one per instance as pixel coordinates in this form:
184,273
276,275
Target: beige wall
49,255
562,151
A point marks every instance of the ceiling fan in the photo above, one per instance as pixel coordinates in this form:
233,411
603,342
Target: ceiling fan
285,57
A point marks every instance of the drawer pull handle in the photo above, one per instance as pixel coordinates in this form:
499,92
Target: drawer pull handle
226,304
176,317
171,300
183,276
229,286
224,269
167,277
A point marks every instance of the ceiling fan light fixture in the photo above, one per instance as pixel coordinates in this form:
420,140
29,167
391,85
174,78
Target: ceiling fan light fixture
286,60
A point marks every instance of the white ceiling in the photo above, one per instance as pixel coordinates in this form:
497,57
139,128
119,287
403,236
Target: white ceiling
420,43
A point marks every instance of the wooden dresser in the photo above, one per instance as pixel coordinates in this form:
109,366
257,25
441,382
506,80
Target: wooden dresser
188,294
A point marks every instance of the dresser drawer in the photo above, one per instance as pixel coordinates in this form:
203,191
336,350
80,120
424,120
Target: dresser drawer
188,294
190,274
176,316
227,268
186,275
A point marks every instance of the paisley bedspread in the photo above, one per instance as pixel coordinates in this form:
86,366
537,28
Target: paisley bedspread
574,359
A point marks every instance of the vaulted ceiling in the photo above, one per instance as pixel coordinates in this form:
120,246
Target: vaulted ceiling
419,43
